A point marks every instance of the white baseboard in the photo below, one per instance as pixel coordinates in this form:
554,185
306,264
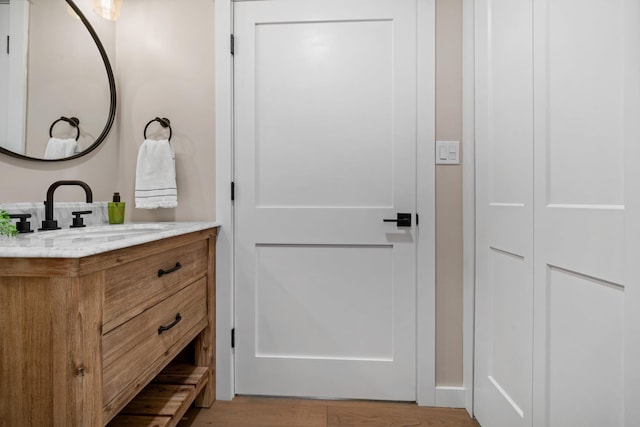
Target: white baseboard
450,397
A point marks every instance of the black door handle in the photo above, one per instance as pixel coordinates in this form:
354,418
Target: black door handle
403,220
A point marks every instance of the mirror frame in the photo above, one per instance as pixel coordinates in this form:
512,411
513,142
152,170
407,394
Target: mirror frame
112,91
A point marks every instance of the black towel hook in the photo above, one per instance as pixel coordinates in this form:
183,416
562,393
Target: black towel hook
73,122
166,123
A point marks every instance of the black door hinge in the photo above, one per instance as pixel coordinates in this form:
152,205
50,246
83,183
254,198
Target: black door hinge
8,44
233,338
233,44
233,191
417,219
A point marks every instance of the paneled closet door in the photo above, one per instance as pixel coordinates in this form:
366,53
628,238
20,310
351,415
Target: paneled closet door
632,211
586,141
504,200
558,213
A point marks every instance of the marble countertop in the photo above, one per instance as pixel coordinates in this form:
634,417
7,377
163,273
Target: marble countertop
91,240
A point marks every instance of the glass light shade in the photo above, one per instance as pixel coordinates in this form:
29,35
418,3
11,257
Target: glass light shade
108,9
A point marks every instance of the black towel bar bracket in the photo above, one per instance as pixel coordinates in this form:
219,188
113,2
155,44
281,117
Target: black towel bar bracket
73,122
164,122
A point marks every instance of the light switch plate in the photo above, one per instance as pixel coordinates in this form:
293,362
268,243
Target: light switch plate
447,152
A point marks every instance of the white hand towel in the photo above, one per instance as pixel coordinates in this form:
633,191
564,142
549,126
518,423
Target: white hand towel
156,176
60,148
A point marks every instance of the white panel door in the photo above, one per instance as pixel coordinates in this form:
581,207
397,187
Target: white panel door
586,162
504,244
325,143
558,210
631,136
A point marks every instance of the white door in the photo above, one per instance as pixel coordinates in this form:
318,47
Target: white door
586,168
557,293
504,185
325,143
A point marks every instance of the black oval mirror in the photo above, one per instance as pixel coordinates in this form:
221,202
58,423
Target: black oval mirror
57,122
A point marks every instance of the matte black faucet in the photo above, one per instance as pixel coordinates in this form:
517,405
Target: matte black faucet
49,223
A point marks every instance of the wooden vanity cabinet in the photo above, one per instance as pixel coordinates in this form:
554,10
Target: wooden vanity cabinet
83,338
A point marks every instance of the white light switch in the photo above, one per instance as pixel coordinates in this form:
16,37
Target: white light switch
443,153
447,152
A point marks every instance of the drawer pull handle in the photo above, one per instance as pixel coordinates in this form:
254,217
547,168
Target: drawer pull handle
161,328
162,272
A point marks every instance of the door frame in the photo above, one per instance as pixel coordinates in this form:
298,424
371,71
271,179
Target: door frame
425,202
468,199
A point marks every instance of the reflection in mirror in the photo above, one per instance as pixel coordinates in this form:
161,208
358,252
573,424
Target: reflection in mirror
14,25
68,75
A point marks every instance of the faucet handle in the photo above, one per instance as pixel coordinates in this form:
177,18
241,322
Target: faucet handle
78,221
23,226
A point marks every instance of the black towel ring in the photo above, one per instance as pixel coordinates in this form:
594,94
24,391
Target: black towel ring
166,123
73,122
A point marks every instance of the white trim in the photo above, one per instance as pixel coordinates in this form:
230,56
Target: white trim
450,397
225,389
425,341
425,202
468,199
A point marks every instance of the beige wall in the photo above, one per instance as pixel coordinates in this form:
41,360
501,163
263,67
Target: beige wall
449,195
165,67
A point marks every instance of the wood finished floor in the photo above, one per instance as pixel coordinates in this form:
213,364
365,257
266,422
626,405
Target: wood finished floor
275,412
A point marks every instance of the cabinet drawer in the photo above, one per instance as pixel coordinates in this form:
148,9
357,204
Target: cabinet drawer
133,287
133,353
